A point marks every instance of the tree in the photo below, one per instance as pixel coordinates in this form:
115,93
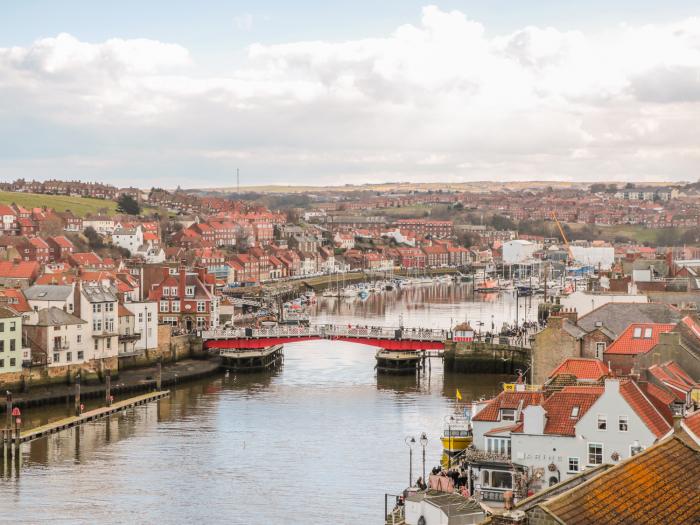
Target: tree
94,238
127,204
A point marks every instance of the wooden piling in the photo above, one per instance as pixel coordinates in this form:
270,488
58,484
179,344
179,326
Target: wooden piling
159,375
108,388
77,395
8,408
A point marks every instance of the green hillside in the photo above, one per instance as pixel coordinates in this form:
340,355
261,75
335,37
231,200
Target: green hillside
78,205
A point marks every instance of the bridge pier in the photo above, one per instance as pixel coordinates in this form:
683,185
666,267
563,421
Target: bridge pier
253,359
402,362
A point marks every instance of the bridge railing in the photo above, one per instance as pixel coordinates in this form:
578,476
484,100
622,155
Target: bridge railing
330,331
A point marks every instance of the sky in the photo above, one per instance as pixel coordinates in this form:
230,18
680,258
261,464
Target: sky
181,92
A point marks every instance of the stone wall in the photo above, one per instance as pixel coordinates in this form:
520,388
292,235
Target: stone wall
477,357
170,348
551,346
40,376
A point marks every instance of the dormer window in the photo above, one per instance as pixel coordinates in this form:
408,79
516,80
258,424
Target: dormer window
637,334
575,411
647,333
507,414
189,291
166,291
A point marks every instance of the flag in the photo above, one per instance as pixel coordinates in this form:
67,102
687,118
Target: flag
459,395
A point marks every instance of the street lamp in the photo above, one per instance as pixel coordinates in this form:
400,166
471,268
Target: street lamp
410,442
423,444
448,421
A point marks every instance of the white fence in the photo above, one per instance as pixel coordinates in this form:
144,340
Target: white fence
329,332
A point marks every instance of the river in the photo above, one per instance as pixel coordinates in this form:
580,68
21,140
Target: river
318,441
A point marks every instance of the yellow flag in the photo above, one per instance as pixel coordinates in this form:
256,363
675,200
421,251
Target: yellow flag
459,395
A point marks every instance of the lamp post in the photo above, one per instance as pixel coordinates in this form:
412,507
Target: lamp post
423,444
448,421
410,442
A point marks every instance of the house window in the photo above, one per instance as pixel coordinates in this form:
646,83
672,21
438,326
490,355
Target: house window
79,338
109,307
173,291
80,355
623,423
2,325
164,307
13,345
69,356
189,291
595,454
176,306
575,411
13,361
13,326
599,350
96,343
602,422
2,346
148,317
573,465
637,333
647,333
140,317
201,306
109,343
56,357
166,291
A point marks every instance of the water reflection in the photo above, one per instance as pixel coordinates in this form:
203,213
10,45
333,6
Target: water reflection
319,440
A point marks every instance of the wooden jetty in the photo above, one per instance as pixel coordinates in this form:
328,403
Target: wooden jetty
398,362
251,359
85,417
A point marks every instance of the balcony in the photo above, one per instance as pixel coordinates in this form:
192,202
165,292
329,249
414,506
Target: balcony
127,338
101,334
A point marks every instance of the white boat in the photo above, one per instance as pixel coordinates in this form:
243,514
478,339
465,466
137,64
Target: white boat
348,292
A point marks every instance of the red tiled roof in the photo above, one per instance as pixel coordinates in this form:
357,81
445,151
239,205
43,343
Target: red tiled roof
19,270
660,398
507,400
586,369
691,424
644,409
627,343
15,299
86,259
501,430
560,406
62,241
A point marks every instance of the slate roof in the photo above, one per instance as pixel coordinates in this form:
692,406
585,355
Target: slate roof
8,313
507,400
628,344
658,485
56,316
98,293
618,316
586,369
572,329
48,292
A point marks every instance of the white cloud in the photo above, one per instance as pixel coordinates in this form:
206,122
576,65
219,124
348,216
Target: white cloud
441,99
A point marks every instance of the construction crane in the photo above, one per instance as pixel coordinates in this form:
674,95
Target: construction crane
563,236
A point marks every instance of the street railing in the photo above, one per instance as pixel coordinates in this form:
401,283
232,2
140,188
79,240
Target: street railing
330,331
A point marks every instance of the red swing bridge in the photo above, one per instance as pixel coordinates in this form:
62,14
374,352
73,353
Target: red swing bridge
391,339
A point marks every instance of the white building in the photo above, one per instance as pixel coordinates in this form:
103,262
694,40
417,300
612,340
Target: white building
129,239
102,225
548,440
64,337
97,305
585,302
596,256
60,296
145,323
518,251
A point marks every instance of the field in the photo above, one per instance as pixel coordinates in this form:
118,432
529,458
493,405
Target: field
78,205
638,234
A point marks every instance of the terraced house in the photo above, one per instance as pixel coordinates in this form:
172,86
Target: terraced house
11,351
